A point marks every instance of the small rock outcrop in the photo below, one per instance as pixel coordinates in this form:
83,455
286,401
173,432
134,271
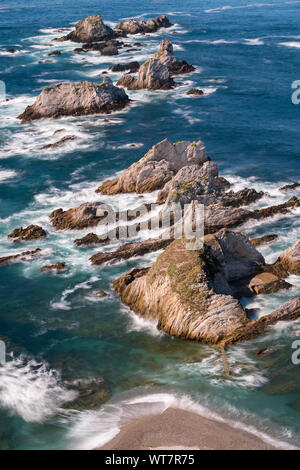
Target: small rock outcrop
88,240
290,187
157,167
267,283
157,72
77,218
133,26
130,250
33,232
190,295
195,92
131,67
57,267
264,239
76,99
59,143
90,29
25,256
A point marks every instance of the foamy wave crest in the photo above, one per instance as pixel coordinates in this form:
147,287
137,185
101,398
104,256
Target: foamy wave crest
7,175
250,5
31,390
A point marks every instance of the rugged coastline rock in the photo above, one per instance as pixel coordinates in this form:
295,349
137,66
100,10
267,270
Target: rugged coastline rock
190,294
76,99
59,143
195,92
33,232
157,72
88,240
264,239
290,187
90,29
133,26
25,256
156,168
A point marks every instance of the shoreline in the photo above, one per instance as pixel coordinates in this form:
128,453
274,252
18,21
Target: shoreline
178,429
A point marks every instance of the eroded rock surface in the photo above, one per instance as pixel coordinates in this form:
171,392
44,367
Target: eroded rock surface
290,259
90,29
76,99
33,232
133,26
25,256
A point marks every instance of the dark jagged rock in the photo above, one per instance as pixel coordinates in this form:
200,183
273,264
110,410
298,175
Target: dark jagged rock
76,99
54,53
290,187
87,215
59,143
11,51
133,26
92,393
264,239
88,240
130,250
25,256
195,92
58,267
131,67
33,232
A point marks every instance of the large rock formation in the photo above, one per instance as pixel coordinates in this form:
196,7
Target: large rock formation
157,167
130,250
33,232
156,73
190,293
90,29
76,99
133,26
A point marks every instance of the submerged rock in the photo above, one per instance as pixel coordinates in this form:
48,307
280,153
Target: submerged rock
54,53
92,393
131,67
58,267
90,29
33,232
130,250
133,26
25,256
76,99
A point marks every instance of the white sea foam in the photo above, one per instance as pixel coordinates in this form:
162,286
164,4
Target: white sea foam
31,389
250,5
63,303
290,44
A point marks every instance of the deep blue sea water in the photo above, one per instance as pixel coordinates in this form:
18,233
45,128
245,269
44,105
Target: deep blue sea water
247,56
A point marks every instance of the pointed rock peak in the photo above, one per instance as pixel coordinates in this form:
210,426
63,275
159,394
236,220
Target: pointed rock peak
166,45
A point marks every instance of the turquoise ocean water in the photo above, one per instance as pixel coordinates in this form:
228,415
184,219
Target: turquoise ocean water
247,56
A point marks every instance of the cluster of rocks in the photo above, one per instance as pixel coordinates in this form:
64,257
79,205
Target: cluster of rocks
76,99
157,73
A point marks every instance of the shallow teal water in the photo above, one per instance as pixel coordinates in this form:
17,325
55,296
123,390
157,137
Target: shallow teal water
57,328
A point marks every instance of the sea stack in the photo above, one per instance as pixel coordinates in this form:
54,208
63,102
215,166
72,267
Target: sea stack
76,99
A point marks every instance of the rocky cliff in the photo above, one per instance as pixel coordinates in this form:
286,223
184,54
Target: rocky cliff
76,99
